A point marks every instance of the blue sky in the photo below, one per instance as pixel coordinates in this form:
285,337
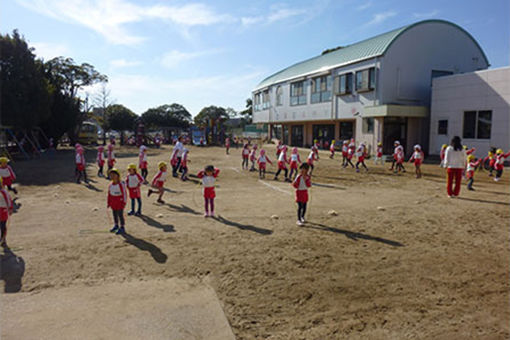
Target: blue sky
214,52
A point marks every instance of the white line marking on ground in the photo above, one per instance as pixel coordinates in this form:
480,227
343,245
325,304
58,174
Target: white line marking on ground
275,188
235,169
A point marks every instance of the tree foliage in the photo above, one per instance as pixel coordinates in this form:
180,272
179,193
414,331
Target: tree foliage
120,118
247,113
211,114
38,94
174,115
70,77
25,93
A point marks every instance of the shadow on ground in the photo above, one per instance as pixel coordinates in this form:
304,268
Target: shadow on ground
167,228
241,226
352,235
155,252
12,269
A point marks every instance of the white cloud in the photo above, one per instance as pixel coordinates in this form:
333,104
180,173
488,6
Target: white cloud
120,63
426,14
365,6
109,17
381,17
49,51
174,58
276,13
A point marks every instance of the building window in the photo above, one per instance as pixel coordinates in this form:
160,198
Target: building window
345,83
442,127
321,89
266,104
368,125
279,96
256,104
298,93
346,130
477,125
484,125
365,80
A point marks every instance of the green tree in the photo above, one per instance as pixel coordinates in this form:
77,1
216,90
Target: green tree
68,78
247,113
174,115
25,92
120,118
211,115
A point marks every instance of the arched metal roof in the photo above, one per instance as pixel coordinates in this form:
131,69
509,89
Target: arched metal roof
366,49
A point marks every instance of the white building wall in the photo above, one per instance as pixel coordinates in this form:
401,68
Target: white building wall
408,63
476,91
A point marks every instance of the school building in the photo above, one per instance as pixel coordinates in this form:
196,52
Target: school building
474,106
378,89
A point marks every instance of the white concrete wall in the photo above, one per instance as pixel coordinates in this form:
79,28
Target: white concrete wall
407,66
476,91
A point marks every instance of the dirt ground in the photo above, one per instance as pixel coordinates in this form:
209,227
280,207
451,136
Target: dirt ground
399,261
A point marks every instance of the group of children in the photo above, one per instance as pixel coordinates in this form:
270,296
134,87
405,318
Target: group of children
494,161
119,190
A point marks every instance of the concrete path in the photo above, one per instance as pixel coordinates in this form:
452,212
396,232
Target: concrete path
169,309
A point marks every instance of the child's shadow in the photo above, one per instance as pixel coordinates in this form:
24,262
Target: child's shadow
12,269
15,206
92,187
167,228
155,252
249,227
183,208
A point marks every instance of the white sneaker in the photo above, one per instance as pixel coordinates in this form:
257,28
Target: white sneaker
303,220
299,223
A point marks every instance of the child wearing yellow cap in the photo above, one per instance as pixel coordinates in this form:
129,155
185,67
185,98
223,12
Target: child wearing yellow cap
158,182
470,170
117,199
332,149
6,208
7,175
499,165
133,182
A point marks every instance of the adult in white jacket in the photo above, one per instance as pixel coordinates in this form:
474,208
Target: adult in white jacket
455,162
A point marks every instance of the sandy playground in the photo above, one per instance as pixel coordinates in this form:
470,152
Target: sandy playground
399,261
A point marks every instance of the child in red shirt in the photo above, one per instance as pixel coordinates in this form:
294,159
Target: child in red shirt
184,164
361,153
470,170
158,182
301,184
294,162
208,176
417,158
253,157
261,162
7,174
499,164
143,163
100,160
245,154
332,149
117,198
6,209
134,182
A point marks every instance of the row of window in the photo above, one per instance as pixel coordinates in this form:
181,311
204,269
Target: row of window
477,125
321,89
